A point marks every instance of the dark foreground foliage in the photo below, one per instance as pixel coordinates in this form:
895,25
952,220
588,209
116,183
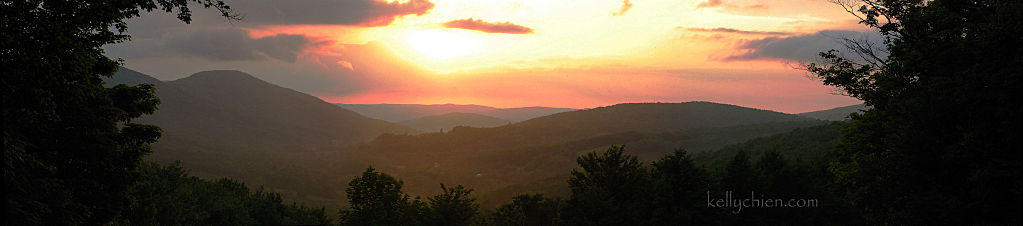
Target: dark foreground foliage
941,142
70,147
613,188
167,195
377,199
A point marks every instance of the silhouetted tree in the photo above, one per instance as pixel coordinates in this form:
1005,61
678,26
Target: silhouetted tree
739,175
376,199
529,210
775,174
71,149
167,195
679,188
941,142
611,189
454,206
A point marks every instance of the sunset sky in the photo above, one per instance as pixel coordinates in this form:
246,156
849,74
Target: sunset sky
511,53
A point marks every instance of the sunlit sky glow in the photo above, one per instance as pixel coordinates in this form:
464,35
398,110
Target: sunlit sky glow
515,52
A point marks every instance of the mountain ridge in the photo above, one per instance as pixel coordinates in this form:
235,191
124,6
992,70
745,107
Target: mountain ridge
405,112
835,114
450,120
226,109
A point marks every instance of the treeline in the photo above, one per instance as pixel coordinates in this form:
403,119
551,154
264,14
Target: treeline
168,195
614,188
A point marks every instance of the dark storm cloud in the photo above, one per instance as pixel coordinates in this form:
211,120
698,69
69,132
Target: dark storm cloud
800,47
369,13
489,27
235,44
737,31
211,36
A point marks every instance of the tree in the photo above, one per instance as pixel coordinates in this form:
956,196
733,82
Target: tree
71,149
167,195
775,174
610,189
679,186
453,206
739,175
941,142
529,210
376,199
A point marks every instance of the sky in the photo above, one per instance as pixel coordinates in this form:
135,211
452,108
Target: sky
511,53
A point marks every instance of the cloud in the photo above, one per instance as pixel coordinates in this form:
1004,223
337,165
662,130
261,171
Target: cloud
737,31
800,47
368,13
710,4
346,64
235,44
731,7
489,27
626,5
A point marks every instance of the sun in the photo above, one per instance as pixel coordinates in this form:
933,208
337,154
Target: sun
440,44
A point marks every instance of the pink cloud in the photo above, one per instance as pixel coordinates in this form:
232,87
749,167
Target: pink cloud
489,27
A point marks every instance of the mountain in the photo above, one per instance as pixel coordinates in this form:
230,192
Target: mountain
809,144
450,120
233,111
130,77
230,124
525,156
405,112
524,113
641,117
835,114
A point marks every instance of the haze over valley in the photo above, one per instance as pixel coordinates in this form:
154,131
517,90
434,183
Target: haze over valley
230,124
512,112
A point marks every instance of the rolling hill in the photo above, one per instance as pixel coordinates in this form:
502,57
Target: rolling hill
523,113
405,112
835,114
230,124
519,157
230,111
447,121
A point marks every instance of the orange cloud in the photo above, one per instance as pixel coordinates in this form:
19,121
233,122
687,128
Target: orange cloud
737,31
489,27
346,64
626,5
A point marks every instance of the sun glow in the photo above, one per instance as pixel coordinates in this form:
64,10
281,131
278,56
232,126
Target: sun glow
440,44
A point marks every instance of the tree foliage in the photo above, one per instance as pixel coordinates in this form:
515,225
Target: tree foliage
71,149
940,144
679,188
528,209
609,189
454,206
167,195
377,199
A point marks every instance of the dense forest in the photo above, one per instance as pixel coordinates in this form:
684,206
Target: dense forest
935,143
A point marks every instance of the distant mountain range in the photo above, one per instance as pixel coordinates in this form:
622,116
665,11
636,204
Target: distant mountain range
446,122
505,160
230,124
230,111
835,114
405,112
